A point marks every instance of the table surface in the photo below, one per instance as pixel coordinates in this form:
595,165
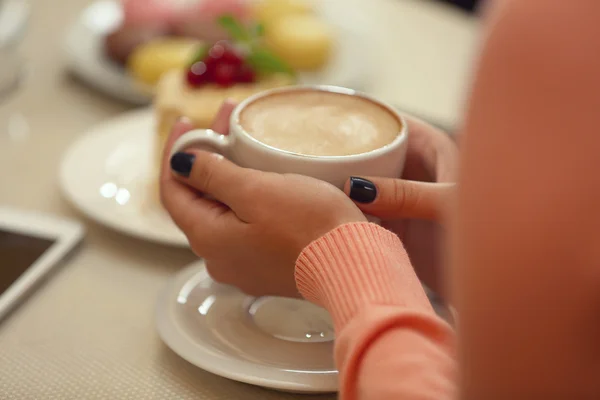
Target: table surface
88,333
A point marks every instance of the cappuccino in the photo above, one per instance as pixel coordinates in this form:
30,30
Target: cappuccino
320,123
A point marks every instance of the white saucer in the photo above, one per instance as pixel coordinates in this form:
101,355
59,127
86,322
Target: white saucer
85,56
211,326
107,175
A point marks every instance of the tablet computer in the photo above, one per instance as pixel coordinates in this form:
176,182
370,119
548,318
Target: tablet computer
32,245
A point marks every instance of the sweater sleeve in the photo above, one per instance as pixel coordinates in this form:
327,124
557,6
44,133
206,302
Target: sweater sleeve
390,344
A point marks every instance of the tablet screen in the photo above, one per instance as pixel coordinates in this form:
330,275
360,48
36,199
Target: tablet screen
17,253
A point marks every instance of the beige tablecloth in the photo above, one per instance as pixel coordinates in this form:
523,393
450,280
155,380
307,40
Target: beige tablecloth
88,333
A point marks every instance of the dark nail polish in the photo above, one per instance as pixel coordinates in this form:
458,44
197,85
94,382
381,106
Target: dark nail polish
182,163
362,190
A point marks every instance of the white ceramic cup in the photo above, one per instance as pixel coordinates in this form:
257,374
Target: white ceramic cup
244,150
241,148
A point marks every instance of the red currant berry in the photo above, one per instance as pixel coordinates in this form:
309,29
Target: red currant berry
232,57
225,74
217,50
245,74
215,54
197,74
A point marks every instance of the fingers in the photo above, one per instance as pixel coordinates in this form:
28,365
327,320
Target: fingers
182,126
432,154
180,168
199,218
396,198
221,122
213,175
187,208
173,193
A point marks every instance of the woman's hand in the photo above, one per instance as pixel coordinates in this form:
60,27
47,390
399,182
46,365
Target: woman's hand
414,206
250,226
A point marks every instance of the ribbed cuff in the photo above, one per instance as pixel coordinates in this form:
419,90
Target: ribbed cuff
357,265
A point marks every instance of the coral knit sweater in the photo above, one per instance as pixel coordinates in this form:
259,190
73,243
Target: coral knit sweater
524,261
390,344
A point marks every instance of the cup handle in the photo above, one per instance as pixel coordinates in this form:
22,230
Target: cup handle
202,139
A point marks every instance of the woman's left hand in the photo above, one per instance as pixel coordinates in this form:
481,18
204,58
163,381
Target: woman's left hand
416,206
258,223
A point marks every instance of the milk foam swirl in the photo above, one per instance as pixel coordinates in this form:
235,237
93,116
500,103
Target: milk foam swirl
320,123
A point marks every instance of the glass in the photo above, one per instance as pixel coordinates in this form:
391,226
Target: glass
291,319
212,326
287,319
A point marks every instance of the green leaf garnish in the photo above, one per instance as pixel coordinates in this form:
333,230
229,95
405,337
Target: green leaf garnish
200,54
236,30
266,62
259,57
258,30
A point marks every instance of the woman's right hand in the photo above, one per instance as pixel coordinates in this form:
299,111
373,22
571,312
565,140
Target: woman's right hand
414,206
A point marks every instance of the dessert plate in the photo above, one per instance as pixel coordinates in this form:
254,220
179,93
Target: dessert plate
85,56
108,175
222,331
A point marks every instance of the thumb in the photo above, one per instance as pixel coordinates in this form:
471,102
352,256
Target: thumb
388,198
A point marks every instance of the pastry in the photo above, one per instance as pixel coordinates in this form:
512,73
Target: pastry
225,70
147,20
176,98
303,41
269,11
149,61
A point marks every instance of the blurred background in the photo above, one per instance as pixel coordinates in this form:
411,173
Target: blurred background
68,65
84,92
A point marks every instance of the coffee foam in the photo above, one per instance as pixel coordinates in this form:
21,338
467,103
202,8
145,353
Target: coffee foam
320,123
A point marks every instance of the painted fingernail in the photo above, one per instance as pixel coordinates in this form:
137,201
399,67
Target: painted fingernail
362,190
182,163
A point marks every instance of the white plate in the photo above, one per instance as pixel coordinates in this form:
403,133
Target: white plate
86,59
211,326
107,175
